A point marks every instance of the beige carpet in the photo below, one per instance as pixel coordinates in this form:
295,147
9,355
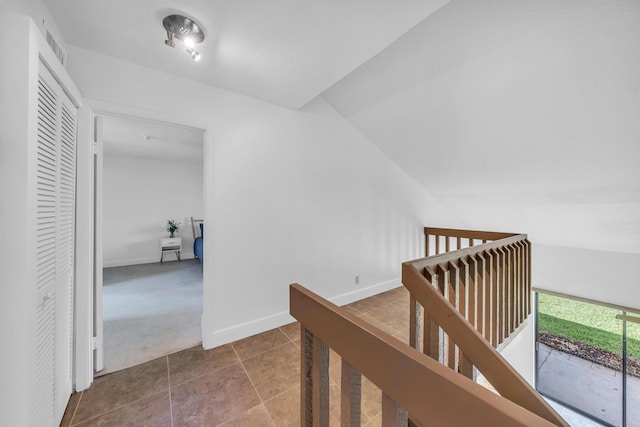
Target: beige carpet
149,311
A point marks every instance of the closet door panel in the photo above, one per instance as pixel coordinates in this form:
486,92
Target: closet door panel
65,251
47,188
55,228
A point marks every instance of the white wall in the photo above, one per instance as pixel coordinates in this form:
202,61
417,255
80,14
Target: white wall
519,351
40,15
292,196
139,197
598,275
17,192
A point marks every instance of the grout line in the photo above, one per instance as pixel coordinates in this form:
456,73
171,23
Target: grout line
206,373
262,352
254,386
73,414
169,382
122,406
285,334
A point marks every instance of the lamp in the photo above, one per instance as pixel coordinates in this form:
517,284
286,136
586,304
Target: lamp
185,30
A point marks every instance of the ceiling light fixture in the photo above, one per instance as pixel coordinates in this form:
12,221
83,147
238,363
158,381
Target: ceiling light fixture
185,30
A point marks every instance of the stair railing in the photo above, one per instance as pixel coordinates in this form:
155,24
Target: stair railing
465,302
411,382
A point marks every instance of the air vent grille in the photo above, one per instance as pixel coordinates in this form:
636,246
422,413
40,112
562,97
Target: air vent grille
56,48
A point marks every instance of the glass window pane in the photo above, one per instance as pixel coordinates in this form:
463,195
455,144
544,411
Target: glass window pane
633,373
580,356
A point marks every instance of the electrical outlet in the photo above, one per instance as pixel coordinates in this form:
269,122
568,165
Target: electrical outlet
357,279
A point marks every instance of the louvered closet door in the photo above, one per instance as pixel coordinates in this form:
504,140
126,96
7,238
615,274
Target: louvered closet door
65,250
56,158
47,189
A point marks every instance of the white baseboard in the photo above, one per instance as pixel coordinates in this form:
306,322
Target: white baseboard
247,329
363,293
125,262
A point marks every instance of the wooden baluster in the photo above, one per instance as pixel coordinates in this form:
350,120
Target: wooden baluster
521,290
483,292
491,299
314,372
426,243
447,245
500,294
350,396
431,337
464,303
443,287
472,291
458,243
453,291
517,265
503,294
508,279
415,324
514,287
392,414
437,244
523,269
470,242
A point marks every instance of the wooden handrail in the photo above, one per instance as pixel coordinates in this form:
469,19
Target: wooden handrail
430,392
466,234
450,256
434,237
498,372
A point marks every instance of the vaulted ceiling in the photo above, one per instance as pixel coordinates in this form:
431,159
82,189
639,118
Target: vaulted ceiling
518,115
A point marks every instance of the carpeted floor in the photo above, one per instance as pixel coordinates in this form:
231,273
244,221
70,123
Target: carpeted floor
149,311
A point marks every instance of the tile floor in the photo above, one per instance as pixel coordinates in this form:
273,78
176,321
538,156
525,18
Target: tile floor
251,382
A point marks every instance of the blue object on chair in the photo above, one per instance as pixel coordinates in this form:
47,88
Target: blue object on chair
197,244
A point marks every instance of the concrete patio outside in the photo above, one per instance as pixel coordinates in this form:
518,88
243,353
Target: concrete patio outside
588,386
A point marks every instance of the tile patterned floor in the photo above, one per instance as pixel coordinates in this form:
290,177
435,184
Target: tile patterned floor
251,382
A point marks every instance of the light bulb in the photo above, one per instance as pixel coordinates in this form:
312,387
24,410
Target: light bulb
194,54
188,42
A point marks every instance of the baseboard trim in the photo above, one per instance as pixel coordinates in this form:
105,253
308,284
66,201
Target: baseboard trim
359,294
126,262
247,329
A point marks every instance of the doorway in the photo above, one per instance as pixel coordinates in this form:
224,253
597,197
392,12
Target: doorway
148,173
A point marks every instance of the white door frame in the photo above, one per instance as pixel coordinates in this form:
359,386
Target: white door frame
85,314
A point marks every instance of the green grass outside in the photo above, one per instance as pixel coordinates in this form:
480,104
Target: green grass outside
587,323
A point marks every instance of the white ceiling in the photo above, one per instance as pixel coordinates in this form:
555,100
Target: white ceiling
517,115
281,51
145,139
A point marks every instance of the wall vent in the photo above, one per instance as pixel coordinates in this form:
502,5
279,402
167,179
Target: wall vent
56,48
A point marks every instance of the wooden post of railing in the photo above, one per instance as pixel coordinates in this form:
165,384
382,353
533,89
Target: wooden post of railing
415,324
392,414
314,372
350,396
431,341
